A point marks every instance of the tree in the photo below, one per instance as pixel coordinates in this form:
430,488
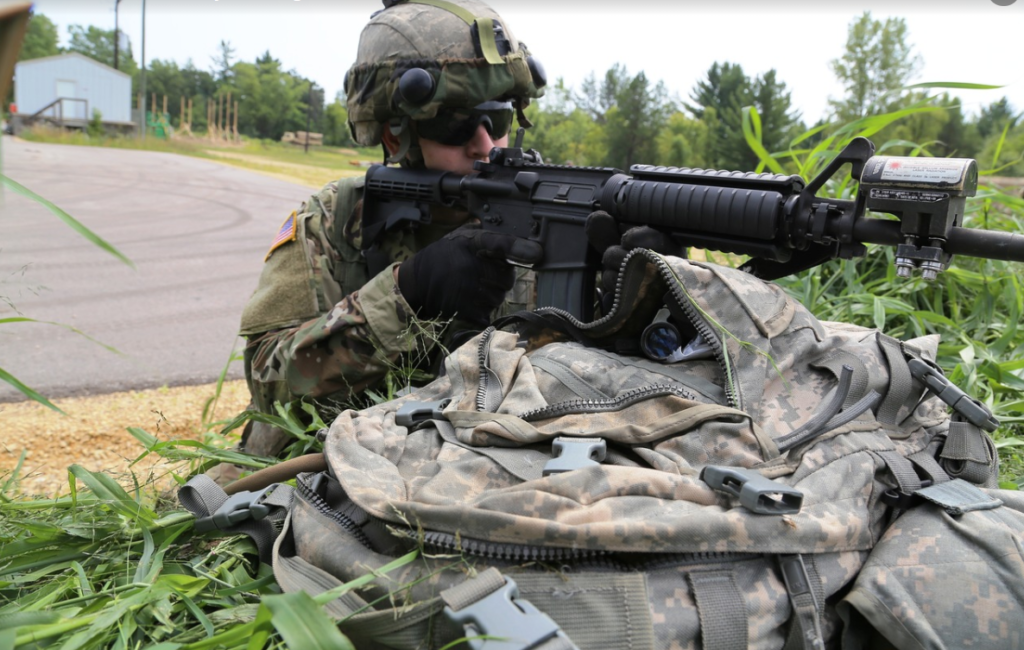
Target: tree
994,118
724,92
636,120
40,39
223,65
685,142
876,66
98,44
563,132
271,101
779,122
597,99
335,128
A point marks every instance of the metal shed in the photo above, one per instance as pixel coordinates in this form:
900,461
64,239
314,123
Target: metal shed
82,84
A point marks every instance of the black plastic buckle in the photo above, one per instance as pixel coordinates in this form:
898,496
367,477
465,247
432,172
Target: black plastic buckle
237,509
412,413
969,408
504,621
757,494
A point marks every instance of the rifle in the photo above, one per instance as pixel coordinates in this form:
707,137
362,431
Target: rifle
777,220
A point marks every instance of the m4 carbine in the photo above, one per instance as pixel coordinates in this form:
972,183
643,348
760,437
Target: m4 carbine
777,220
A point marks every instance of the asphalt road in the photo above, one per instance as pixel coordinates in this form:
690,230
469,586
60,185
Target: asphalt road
196,231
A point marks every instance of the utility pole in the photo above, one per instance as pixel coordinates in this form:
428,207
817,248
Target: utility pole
117,34
142,75
309,112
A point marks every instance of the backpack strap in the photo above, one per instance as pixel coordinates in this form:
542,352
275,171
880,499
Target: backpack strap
721,609
488,605
806,595
900,381
256,514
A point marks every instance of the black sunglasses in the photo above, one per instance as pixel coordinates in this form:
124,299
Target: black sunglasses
456,126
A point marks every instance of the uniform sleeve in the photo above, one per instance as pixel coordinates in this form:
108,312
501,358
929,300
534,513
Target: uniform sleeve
339,354
343,343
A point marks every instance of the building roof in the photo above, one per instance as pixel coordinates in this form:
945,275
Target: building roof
29,62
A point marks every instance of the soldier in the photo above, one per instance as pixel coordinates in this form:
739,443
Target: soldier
437,85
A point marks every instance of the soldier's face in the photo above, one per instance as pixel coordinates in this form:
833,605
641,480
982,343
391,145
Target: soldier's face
460,158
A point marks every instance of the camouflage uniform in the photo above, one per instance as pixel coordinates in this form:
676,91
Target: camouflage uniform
319,325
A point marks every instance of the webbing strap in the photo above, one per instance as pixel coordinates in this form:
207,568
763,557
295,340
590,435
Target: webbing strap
900,380
927,464
805,628
968,453
485,27
958,496
525,464
721,608
474,589
902,471
488,605
834,362
210,504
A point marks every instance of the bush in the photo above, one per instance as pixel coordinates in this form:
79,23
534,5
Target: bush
95,127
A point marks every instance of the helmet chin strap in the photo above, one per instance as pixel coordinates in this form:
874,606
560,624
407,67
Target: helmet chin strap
409,154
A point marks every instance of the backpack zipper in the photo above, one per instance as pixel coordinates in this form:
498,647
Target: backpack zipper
446,543
624,400
310,496
698,321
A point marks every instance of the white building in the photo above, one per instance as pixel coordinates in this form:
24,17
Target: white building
83,84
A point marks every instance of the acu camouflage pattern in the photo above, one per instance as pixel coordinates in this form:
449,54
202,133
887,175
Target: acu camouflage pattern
938,581
644,510
319,326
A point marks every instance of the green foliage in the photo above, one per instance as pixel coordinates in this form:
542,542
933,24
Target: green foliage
685,142
564,133
975,306
877,64
95,127
335,129
40,39
634,122
719,100
98,44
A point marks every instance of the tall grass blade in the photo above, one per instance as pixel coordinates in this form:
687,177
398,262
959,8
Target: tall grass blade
70,221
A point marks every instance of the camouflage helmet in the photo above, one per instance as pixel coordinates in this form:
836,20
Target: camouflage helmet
417,56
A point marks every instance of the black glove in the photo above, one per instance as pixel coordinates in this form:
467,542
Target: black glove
466,273
603,234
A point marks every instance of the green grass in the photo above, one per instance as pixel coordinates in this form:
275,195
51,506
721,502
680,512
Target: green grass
314,169
107,567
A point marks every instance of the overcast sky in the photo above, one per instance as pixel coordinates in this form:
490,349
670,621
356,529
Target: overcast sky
672,41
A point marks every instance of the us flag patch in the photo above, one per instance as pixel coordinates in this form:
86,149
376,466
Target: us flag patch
284,235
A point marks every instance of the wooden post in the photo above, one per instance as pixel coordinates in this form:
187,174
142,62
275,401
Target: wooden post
189,113
181,113
235,130
165,104
153,103
209,118
227,117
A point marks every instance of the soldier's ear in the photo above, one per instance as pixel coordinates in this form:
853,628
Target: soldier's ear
391,141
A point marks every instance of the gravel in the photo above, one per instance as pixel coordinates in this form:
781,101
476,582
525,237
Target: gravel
94,432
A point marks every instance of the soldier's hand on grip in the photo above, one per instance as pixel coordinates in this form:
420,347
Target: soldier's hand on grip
603,234
467,272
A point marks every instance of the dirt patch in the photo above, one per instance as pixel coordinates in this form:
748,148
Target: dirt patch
94,432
